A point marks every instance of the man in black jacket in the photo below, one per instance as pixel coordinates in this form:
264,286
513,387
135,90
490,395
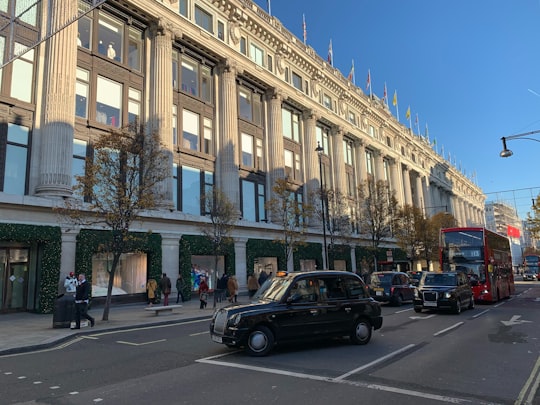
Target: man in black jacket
81,302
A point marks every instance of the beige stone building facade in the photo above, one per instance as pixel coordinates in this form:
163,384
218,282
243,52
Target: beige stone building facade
238,100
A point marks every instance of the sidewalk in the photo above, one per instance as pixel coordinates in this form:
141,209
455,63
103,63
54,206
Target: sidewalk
24,331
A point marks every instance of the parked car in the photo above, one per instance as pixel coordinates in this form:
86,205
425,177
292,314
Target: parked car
444,291
391,286
299,306
529,275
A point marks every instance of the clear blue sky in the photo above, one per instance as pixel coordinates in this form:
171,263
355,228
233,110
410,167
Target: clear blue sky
470,69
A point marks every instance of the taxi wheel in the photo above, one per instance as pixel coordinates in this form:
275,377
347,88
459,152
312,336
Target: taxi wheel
260,341
361,334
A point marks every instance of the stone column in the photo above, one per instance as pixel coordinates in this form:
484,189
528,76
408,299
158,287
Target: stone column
240,261
58,121
170,251
311,159
228,157
338,166
161,101
379,165
276,158
420,202
397,185
407,186
428,203
360,162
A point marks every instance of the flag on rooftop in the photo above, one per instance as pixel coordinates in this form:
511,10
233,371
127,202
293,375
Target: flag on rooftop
408,113
350,77
385,95
394,100
368,80
330,54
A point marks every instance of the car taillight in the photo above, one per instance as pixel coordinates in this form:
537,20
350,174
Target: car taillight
391,290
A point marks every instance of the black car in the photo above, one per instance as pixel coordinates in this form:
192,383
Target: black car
444,291
391,286
415,276
529,275
298,306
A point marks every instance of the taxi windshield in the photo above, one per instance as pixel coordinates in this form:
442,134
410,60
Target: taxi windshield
273,289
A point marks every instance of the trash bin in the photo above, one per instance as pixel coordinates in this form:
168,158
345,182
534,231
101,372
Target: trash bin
64,308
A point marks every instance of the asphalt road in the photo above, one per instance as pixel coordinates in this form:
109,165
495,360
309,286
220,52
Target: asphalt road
489,355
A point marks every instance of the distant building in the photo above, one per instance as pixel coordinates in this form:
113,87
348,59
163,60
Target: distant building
499,217
237,99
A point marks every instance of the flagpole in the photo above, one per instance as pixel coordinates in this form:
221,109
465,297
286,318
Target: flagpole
395,102
418,125
269,7
353,74
370,91
304,28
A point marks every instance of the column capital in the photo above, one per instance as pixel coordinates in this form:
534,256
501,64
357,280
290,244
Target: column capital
163,27
311,114
275,94
228,65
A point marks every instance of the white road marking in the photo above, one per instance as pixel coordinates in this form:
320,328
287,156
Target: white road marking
403,310
140,344
514,321
448,329
532,384
54,387
422,317
112,332
74,393
388,356
340,380
480,313
200,333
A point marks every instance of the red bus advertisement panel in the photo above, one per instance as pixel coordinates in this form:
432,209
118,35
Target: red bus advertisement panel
486,258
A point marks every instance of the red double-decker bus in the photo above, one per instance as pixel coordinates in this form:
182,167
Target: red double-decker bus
486,258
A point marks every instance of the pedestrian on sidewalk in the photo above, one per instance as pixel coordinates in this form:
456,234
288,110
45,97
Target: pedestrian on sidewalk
203,293
252,285
179,288
70,284
151,287
165,285
81,302
232,286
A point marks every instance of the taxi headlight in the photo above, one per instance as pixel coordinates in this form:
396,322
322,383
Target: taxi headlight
416,294
447,294
235,319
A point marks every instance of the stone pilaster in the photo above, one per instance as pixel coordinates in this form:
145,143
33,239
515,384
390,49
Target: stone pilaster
161,101
338,167
311,163
228,158
58,121
407,185
276,159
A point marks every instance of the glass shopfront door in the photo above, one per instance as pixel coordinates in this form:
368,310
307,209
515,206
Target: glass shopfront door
14,269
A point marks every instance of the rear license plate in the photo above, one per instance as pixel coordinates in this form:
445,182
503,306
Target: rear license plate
217,339
378,293
430,304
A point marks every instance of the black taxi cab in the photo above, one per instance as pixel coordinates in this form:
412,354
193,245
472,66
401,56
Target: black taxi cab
444,291
297,306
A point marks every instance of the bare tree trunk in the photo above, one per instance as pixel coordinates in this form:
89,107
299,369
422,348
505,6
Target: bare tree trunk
116,260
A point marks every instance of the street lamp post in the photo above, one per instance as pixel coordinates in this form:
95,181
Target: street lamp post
319,149
507,152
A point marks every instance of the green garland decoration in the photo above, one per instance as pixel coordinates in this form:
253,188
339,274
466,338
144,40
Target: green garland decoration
200,245
48,240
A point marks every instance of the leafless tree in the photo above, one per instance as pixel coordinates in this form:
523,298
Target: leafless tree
123,177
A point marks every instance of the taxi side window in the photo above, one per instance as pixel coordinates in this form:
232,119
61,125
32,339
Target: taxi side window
355,288
305,290
334,288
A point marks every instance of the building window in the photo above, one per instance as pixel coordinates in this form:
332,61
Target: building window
243,46
134,106
22,74
347,152
191,190
253,201
110,37
270,63
15,160
109,102
195,78
386,168
84,34
247,150
256,54
174,125
350,184
183,8
221,30
190,130
352,117
249,105
208,132
135,46
289,164
79,160
82,88
369,162
321,135
372,131
204,19
291,124
297,81
259,154
327,101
